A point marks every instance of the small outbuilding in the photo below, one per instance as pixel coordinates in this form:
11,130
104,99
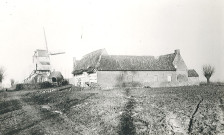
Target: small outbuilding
55,76
193,77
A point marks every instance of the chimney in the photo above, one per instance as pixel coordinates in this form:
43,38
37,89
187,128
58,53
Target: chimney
74,62
177,51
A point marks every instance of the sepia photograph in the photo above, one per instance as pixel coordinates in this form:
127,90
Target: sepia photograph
111,67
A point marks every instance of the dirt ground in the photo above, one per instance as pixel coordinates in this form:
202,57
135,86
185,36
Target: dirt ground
125,111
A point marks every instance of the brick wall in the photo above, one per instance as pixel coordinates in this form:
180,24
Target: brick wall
108,79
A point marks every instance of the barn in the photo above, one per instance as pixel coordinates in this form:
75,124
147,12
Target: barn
110,71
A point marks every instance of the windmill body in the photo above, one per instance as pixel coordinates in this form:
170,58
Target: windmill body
42,67
41,61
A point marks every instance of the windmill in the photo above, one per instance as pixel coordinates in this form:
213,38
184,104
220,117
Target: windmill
42,64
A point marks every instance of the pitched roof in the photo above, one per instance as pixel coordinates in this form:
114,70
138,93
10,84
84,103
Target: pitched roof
192,73
136,63
103,62
88,62
55,74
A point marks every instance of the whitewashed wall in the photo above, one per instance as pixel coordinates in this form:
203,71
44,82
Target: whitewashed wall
193,81
81,80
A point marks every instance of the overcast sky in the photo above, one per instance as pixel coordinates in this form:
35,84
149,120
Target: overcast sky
122,27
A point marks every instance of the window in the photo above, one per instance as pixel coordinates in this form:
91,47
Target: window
169,78
155,78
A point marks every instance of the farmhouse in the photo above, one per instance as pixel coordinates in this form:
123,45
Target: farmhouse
110,71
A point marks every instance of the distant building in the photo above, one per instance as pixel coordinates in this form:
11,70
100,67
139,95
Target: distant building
193,77
122,70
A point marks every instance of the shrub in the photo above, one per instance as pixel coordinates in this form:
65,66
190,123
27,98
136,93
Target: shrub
219,83
208,71
19,86
64,82
94,85
2,74
46,84
212,84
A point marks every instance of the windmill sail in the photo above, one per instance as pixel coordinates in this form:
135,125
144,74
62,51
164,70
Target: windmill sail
45,39
57,53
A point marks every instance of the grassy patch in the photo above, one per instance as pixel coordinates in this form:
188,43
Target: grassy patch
9,106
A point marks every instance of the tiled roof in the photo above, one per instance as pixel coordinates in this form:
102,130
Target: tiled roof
192,73
136,63
97,60
88,62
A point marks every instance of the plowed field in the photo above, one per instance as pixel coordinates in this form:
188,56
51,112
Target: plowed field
125,111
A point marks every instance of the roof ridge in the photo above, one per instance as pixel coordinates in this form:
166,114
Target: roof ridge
134,55
144,55
167,54
93,52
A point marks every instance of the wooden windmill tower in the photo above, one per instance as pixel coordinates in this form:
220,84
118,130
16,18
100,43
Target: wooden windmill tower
42,64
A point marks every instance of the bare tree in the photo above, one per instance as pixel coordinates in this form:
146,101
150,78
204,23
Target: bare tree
208,71
12,82
2,74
